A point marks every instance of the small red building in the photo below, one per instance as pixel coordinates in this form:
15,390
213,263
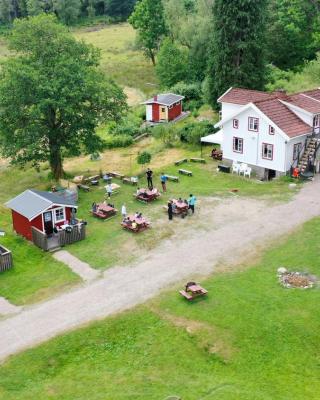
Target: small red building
163,107
42,210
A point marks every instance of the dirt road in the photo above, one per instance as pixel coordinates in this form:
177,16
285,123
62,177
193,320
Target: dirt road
231,229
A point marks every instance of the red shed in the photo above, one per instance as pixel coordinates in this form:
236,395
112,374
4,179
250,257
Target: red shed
163,107
42,210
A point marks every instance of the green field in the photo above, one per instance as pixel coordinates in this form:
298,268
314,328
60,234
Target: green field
250,339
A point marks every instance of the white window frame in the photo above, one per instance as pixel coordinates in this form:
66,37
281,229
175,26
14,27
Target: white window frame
55,214
316,121
236,123
239,148
297,147
269,153
271,130
253,124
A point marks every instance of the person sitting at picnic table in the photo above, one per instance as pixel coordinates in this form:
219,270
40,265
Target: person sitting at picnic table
163,179
94,207
106,178
109,190
214,150
180,200
134,225
192,202
174,206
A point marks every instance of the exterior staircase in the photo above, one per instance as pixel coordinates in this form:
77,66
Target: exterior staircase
309,153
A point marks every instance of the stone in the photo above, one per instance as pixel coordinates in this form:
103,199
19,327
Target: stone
282,270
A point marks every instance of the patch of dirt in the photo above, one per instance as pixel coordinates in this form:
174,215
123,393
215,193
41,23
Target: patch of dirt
134,96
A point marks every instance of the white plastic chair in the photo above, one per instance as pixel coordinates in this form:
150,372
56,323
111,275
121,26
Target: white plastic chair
235,167
247,172
243,168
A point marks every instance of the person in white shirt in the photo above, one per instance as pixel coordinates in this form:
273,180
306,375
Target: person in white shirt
123,211
109,190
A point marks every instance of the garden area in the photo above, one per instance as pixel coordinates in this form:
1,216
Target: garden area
249,339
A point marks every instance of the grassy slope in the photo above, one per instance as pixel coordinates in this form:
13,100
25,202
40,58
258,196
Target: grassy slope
250,339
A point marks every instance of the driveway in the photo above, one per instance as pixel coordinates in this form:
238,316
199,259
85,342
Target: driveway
231,229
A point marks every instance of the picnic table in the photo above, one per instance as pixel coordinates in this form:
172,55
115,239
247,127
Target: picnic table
130,180
94,179
135,224
172,178
104,211
192,291
85,188
116,175
216,155
147,195
180,208
183,160
185,172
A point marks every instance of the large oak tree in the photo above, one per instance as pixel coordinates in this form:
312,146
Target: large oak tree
52,95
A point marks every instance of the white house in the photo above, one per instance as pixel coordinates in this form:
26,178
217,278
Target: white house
272,132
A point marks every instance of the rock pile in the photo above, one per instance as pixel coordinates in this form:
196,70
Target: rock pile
296,279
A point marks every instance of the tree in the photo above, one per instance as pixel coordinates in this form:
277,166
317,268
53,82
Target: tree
237,52
52,95
119,8
148,19
172,64
67,10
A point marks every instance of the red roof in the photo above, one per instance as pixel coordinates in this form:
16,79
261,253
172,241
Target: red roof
244,96
284,118
305,102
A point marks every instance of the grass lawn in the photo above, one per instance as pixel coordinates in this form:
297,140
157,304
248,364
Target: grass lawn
250,339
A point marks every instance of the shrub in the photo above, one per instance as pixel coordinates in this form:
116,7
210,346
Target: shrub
191,91
166,133
113,141
129,125
144,158
192,132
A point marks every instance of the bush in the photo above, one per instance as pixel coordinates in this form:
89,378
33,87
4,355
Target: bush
144,158
191,91
166,133
113,141
192,132
129,126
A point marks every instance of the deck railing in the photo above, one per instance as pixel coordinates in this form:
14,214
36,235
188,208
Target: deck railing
72,234
5,259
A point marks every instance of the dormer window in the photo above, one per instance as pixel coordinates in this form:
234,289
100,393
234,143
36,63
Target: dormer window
253,124
236,123
271,130
316,121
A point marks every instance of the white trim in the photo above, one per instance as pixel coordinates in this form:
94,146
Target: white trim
226,92
54,210
287,104
52,206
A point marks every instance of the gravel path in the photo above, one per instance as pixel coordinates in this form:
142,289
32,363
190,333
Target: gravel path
232,229
7,308
78,267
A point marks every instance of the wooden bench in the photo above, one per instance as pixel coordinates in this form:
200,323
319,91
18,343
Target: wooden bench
85,188
92,178
172,178
186,295
179,162
128,181
198,160
116,175
224,168
185,172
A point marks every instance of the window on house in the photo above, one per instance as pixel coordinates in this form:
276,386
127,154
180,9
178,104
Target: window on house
271,130
253,124
237,145
59,214
267,151
163,109
316,121
297,150
236,123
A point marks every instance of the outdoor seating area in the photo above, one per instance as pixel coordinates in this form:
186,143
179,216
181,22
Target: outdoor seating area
135,223
133,180
147,195
180,207
216,154
193,291
103,211
241,168
5,259
172,178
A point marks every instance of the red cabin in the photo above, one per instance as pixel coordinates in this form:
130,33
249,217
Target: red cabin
42,210
164,107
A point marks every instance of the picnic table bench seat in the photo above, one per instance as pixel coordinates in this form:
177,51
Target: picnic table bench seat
179,162
172,178
199,160
185,172
130,181
91,178
185,295
85,188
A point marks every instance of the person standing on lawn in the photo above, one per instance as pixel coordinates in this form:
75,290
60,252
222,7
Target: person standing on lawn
170,210
163,179
124,211
149,174
109,190
192,202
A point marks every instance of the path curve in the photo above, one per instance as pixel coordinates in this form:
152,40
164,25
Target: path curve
234,227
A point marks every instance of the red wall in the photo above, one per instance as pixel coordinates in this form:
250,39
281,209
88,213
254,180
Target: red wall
175,111
155,112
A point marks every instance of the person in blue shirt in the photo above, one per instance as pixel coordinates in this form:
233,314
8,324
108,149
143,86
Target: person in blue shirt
163,179
192,202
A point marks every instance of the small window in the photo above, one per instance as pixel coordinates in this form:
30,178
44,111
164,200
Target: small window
163,109
237,145
253,124
59,214
271,130
236,123
316,121
267,151
296,151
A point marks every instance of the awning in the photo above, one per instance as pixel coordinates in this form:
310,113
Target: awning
214,138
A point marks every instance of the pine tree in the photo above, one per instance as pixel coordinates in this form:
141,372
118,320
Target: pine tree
237,51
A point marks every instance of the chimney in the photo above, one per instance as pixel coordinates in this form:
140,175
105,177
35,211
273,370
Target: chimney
155,98
280,93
